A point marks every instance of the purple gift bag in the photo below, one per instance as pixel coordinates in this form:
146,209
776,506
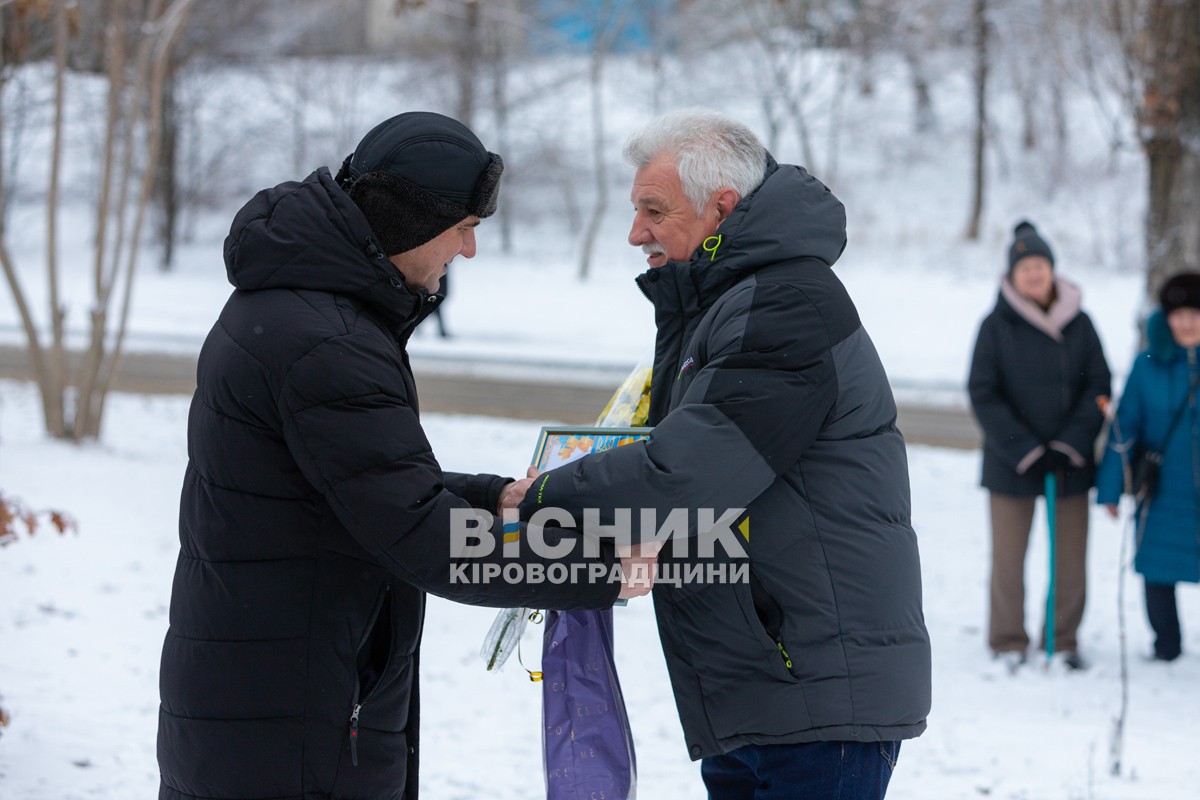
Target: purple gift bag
585,732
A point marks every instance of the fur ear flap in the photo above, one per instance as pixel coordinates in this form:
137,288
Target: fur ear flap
487,191
402,215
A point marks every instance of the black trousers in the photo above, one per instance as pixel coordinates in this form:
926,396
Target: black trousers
1164,620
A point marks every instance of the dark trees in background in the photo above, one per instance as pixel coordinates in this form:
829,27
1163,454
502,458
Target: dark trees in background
981,29
1165,49
1147,53
217,30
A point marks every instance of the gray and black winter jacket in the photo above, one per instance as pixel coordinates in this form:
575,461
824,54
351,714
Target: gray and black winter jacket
768,395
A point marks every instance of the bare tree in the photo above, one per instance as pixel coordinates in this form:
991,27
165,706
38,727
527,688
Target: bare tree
866,31
47,367
914,39
22,40
981,28
785,33
1054,28
212,33
57,370
21,37
657,18
609,22
1031,47
1022,50
469,42
166,183
498,37
479,40
1157,80
1104,71
73,404
1163,39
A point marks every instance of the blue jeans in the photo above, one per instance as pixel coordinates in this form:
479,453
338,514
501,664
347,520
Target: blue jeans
819,770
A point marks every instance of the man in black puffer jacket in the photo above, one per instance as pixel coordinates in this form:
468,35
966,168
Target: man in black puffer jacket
314,516
767,398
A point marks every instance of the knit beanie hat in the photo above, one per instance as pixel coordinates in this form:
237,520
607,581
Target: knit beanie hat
1180,291
1027,242
418,174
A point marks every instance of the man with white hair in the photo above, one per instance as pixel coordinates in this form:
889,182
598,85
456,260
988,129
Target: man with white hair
801,677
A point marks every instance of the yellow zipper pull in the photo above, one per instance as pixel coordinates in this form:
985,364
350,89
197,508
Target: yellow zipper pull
787,660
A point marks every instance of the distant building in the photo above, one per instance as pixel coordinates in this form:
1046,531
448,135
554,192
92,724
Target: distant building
536,26
581,22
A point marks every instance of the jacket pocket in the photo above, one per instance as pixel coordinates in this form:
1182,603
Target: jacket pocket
768,613
372,658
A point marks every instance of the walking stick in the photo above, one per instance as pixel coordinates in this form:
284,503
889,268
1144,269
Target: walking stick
1117,744
1051,497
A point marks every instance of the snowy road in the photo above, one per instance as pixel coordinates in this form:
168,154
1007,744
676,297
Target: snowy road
559,393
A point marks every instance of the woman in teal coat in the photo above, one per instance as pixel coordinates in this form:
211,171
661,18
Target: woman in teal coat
1161,387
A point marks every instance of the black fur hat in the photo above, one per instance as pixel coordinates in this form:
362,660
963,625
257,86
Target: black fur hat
418,174
1027,242
1181,290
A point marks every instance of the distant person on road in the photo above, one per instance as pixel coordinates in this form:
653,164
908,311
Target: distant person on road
314,515
767,396
1158,411
1038,386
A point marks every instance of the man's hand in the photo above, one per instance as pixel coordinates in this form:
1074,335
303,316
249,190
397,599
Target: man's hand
513,493
637,577
637,568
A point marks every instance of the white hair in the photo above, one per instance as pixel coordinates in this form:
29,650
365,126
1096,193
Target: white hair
710,151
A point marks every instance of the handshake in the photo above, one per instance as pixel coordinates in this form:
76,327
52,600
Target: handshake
637,561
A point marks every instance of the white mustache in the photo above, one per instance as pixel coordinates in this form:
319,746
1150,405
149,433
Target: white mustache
653,249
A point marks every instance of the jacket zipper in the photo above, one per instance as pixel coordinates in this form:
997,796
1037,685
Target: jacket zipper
640,280
1064,363
374,251
787,660
1191,401
358,702
774,625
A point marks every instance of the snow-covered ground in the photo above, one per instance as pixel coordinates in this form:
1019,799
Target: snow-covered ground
83,619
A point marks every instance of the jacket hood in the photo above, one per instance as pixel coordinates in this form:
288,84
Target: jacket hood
791,215
1068,302
309,235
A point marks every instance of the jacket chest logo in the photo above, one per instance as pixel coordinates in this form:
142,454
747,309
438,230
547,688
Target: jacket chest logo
688,363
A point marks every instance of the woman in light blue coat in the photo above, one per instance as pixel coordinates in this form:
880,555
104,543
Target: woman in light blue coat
1158,410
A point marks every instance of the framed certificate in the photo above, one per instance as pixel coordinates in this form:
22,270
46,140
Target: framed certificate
557,446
